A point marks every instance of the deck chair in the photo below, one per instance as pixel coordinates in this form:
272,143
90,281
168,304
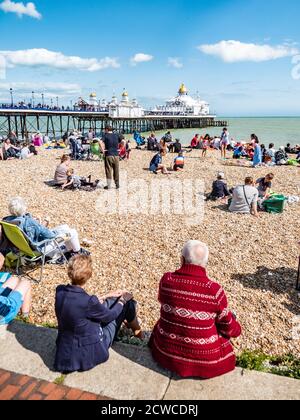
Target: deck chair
25,254
95,150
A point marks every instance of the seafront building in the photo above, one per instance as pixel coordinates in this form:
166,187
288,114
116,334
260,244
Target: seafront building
183,104
124,114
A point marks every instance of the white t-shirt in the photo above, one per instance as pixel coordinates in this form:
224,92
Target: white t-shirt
217,143
25,153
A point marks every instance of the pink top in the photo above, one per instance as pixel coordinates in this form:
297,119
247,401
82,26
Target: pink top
38,142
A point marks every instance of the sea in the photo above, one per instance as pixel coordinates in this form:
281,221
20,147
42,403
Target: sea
279,131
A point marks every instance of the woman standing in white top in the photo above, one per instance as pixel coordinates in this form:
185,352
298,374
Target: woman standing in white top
225,141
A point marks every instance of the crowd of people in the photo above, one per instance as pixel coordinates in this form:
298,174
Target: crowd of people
13,148
248,198
193,336
251,150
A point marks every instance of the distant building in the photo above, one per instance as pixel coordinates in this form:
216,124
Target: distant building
183,104
93,105
126,108
93,100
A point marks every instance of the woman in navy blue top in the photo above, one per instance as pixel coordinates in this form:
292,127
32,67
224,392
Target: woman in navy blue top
156,164
87,326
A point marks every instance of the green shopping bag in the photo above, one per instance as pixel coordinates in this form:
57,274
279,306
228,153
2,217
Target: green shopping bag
275,204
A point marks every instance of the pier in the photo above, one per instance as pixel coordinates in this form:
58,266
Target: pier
55,123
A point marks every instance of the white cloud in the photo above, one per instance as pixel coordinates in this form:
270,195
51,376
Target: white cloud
175,62
20,9
236,51
43,57
141,58
26,87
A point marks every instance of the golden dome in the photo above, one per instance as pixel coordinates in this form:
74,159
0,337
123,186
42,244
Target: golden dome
93,95
125,94
183,89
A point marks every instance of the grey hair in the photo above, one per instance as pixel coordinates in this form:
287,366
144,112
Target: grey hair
196,253
17,207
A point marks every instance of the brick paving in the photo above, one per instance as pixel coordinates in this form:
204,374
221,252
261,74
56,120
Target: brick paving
20,387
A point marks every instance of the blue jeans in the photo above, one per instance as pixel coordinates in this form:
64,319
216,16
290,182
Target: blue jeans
111,330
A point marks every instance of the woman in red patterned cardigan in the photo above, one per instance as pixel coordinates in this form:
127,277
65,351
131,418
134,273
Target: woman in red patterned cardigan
192,337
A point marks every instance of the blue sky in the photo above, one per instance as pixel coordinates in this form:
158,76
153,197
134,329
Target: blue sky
178,41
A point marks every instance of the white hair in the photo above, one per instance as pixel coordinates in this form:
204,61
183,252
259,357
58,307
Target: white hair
17,207
196,253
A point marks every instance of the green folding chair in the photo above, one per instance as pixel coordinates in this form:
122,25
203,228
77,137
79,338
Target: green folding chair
95,150
25,254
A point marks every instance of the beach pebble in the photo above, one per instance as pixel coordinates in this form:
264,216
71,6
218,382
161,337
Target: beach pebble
255,260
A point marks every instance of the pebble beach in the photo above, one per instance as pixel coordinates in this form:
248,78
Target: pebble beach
255,260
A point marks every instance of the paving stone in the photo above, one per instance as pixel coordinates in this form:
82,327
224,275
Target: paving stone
130,374
238,385
35,345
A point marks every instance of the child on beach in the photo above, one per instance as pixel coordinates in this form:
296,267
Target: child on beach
219,189
73,180
76,182
25,152
205,146
122,150
264,186
179,162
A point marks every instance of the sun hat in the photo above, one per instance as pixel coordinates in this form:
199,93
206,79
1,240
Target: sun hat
221,175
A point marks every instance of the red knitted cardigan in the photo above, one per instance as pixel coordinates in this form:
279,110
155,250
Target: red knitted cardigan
192,337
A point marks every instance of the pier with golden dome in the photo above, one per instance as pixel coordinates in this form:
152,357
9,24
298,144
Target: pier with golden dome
123,114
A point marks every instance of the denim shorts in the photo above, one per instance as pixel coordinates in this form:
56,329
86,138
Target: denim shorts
153,168
14,302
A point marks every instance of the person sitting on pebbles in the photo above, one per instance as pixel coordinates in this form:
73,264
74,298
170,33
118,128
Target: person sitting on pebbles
220,189
15,296
193,335
179,162
245,199
77,182
156,164
88,325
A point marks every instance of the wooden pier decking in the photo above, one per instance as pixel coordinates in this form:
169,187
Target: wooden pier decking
56,122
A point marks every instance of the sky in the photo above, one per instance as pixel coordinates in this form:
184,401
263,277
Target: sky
243,57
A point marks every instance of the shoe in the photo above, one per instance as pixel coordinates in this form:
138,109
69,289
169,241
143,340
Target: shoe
107,188
60,261
83,252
